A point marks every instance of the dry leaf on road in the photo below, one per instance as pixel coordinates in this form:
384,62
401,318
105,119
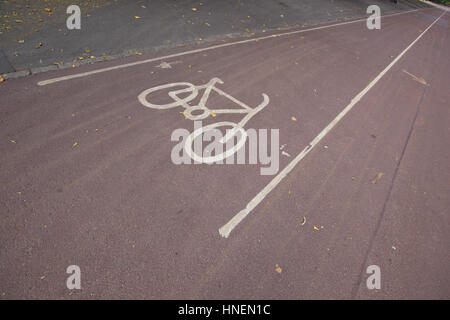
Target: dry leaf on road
278,268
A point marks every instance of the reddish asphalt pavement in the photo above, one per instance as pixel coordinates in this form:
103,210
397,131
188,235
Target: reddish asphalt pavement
87,177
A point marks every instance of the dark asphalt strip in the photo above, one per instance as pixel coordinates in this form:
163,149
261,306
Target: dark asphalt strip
388,197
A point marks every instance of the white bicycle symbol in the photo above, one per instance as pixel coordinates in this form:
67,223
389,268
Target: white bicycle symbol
193,91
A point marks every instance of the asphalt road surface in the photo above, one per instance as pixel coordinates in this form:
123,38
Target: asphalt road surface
87,177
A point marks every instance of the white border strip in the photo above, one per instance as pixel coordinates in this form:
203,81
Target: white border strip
85,74
227,228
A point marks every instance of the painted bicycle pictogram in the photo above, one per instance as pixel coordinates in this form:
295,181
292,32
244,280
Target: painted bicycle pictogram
202,111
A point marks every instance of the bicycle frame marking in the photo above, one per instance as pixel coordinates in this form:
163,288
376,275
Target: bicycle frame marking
193,92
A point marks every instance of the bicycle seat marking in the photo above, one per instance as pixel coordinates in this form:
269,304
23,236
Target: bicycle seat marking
193,92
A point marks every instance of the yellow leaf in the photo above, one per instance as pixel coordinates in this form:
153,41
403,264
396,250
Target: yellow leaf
194,9
137,17
75,144
294,119
303,222
87,50
315,228
212,114
21,41
278,268
1,79
378,177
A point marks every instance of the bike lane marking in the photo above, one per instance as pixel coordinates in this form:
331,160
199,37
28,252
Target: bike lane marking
184,102
88,73
226,229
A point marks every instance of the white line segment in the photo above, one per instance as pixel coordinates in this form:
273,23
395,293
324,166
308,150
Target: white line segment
126,65
228,227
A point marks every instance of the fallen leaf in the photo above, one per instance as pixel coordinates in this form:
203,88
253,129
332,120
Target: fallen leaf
303,222
294,119
420,80
13,141
18,21
212,114
378,177
137,17
1,79
194,9
48,9
21,41
278,268
87,50
75,144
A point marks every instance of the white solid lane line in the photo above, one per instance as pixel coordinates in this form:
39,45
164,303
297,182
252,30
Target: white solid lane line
126,65
228,227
